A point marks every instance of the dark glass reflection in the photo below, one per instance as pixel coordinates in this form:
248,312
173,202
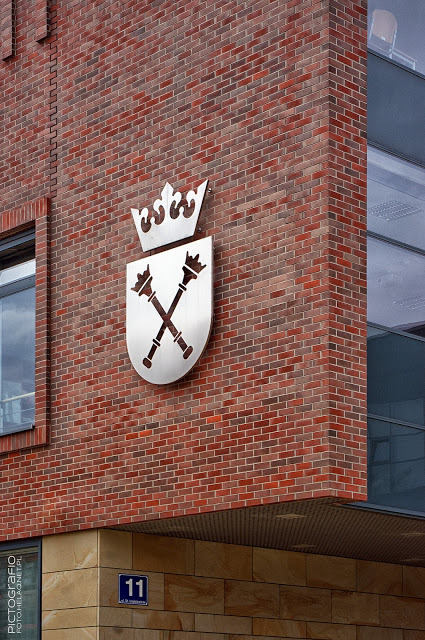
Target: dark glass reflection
395,30
17,317
396,198
396,377
22,619
396,287
396,465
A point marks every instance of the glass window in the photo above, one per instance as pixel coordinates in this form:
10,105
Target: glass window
19,592
395,30
396,376
396,465
396,287
395,198
396,352
17,334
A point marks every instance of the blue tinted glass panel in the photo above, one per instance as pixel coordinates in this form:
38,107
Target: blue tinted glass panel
17,361
395,109
395,30
396,377
396,198
396,287
396,466
19,593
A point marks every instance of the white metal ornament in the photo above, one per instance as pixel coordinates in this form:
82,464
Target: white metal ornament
175,218
169,310
170,294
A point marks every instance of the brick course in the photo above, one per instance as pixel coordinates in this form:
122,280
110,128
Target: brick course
7,29
267,100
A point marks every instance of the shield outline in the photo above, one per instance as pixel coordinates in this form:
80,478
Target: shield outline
193,315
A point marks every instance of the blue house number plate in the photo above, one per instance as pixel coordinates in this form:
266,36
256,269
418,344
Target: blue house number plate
132,589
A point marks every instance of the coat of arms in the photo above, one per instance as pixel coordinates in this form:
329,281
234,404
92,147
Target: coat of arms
169,294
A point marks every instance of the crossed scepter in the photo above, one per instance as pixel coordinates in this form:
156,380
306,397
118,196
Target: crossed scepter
191,268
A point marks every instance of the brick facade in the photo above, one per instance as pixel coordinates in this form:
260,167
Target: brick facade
267,100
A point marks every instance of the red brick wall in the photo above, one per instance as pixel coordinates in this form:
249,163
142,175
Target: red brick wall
25,118
347,244
266,99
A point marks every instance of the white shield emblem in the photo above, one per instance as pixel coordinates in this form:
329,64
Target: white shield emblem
169,310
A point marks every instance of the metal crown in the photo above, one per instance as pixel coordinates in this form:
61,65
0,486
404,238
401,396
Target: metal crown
174,217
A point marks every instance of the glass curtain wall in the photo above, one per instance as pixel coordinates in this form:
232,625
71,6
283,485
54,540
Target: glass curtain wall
396,337
20,592
395,30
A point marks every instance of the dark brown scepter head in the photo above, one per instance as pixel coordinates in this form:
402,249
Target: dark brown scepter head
191,268
143,284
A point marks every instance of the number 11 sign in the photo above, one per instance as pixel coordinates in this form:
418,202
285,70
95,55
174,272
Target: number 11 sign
132,589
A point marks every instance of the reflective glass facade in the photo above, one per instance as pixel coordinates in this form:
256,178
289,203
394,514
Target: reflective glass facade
396,296
396,376
20,593
396,337
396,198
395,30
396,255
396,458
17,344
